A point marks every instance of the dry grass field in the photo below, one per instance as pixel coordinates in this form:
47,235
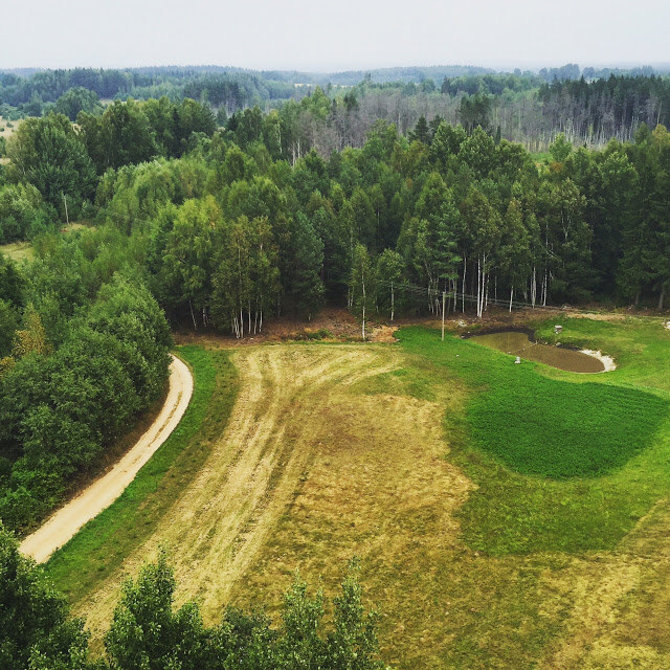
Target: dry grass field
336,450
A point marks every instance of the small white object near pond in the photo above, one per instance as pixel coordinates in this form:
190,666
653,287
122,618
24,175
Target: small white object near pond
518,360
667,325
607,361
558,329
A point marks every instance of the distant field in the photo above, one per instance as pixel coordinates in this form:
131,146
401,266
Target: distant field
20,250
17,250
380,450
8,128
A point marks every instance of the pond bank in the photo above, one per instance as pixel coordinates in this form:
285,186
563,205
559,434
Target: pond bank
520,343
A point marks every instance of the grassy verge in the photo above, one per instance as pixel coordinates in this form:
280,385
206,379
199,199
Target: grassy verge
524,427
17,251
100,547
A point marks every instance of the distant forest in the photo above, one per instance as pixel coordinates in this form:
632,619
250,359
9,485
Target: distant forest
588,105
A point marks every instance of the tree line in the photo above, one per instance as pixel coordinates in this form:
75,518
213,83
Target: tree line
147,631
596,111
589,106
248,221
235,236
83,351
231,86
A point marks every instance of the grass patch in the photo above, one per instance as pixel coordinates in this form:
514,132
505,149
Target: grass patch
17,251
558,429
563,462
101,545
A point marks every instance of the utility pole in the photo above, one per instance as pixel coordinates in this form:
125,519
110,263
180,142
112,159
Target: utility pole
444,297
67,218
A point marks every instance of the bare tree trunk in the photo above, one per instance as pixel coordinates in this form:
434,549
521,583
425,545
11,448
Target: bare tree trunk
465,269
533,288
511,296
392,302
661,297
195,325
479,281
363,326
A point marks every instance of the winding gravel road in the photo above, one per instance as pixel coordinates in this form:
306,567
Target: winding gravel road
65,523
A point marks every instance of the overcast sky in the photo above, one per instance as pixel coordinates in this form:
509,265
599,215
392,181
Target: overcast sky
322,35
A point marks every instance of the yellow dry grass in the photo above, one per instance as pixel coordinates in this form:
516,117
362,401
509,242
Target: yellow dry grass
620,602
17,250
298,421
333,451
9,127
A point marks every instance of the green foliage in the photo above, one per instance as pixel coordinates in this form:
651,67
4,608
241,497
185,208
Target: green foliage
561,463
147,633
36,630
9,323
61,409
12,284
304,263
49,154
23,213
77,99
187,257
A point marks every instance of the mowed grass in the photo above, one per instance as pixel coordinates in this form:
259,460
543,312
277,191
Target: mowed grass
526,428
102,545
369,450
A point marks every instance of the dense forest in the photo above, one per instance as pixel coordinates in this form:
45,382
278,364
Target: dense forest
588,105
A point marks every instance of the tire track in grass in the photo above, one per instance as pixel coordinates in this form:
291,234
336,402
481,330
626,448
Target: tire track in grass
216,528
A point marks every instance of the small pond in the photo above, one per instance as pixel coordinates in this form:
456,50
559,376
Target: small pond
519,344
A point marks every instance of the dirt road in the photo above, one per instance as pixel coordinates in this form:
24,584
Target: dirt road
63,525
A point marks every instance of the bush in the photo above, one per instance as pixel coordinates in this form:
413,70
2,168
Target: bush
61,410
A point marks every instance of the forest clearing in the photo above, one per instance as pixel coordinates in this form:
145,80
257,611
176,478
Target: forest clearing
479,554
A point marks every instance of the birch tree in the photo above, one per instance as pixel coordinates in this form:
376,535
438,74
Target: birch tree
361,285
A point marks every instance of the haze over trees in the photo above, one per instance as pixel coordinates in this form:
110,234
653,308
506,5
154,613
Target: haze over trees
589,105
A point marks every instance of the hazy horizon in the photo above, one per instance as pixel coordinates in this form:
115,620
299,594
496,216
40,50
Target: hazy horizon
335,37
533,67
